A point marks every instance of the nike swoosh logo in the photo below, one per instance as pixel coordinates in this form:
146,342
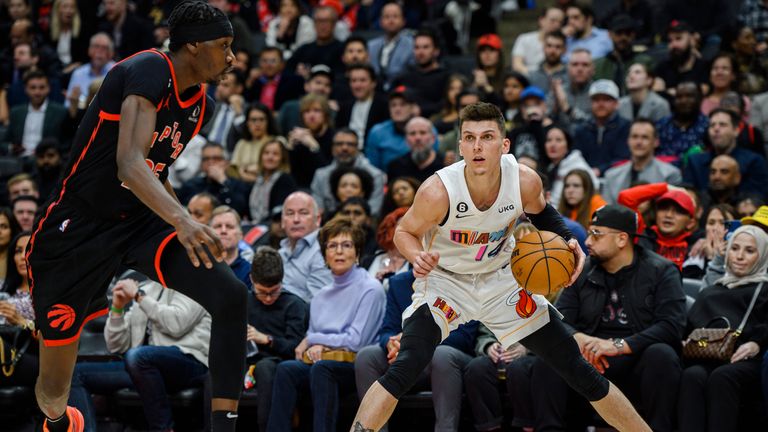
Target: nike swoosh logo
231,415
459,216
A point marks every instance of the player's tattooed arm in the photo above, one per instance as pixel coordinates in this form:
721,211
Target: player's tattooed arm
360,428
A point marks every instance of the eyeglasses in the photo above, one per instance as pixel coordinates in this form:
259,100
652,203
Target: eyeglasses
345,246
597,233
345,143
272,294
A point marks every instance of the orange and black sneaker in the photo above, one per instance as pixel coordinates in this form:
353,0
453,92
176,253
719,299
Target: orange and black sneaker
76,422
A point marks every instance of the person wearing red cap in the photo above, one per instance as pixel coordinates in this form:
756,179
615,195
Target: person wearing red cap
672,235
489,74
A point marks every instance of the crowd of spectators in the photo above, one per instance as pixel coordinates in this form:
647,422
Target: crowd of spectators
645,118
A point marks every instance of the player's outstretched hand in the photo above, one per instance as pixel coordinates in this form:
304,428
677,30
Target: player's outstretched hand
424,263
196,237
580,258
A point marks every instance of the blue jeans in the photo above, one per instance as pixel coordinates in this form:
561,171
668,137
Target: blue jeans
156,370
99,378
327,380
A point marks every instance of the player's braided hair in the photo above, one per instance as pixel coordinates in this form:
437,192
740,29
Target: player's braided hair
190,12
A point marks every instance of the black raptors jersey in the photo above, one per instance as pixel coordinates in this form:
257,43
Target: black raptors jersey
91,175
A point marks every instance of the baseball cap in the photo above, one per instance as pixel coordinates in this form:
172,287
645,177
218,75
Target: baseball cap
491,40
401,92
335,4
677,26
680,198
604,87
532,91
759,218
321,69
617,217
622,22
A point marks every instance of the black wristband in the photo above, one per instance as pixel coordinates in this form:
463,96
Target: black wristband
550,220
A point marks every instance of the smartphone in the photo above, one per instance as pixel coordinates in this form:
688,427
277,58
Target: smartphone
731,226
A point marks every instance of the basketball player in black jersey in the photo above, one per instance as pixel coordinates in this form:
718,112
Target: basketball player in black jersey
114,207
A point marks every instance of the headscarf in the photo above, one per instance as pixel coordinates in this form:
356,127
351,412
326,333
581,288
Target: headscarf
758,271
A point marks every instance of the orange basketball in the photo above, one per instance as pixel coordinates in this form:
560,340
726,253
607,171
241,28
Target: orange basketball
542,262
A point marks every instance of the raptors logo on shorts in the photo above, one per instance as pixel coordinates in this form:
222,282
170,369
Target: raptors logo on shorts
61,317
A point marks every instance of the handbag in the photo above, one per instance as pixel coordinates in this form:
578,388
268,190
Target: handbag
13,344
716,344
339,355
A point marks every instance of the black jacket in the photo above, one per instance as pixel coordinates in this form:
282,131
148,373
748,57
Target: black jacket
651,292
378,113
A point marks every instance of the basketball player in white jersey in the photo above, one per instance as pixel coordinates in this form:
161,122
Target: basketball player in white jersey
458,236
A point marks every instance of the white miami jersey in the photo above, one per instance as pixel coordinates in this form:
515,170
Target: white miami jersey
472,241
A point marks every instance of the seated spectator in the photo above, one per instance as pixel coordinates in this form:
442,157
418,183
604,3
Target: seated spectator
671,234
277,321
344,315
229,113
682,133
274,86
446,118
683,63
273,181
259,129
427,78
713,243
582,33
643,166
568,99
723,131
392,52
67,34
24,209
400,193
22,185
309,145
9,228
172,356
640,100
355,52
388,260
711,393
101,50
358,210
131,32
529,51
528,138
215,179
346,154
488,77
17,313
708,20
722,80
514,84
747,204
580,198
603,138
750,137
752,13
290,29
631,341
48,166
346,182
226,223
367,107
40,118
305,270
641,12
201,207
325,49
386,140
444,375
563,159
751,65
552,68
724,181
422,160
615,65
319,83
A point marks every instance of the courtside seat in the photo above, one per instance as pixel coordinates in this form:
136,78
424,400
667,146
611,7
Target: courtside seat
691,287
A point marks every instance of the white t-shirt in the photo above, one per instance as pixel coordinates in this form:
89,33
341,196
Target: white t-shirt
529,47
473,241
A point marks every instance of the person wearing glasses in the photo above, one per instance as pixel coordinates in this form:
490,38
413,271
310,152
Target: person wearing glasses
345,315
627,314
277,321
215,179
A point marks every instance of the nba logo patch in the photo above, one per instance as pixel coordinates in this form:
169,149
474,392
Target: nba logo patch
64,225
448,311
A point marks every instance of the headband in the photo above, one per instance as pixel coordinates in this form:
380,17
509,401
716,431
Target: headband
216,28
